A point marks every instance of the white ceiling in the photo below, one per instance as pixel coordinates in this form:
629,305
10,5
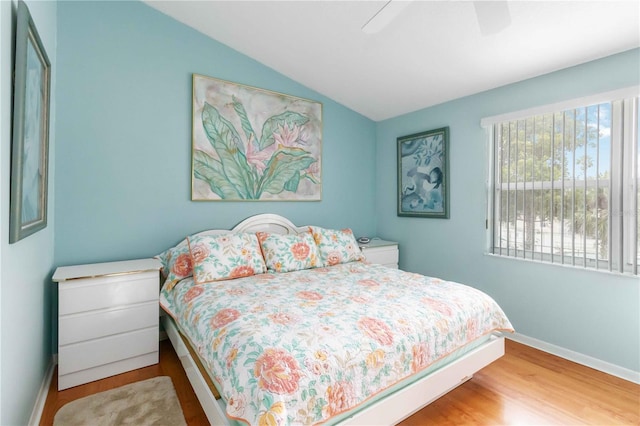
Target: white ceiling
432,52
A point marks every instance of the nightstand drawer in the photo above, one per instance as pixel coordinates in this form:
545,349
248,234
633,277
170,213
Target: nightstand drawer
382,255
88,294
92,353
93,325
381,252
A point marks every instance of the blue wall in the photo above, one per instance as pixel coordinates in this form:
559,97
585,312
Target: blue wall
124,132
25,266
594,313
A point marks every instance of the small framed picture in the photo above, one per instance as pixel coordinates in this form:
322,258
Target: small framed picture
423,174
30,145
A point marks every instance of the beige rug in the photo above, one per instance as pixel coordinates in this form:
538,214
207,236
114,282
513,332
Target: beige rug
149,402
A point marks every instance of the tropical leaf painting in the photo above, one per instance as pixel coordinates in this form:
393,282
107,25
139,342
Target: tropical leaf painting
254,144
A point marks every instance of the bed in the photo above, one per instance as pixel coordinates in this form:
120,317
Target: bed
280,324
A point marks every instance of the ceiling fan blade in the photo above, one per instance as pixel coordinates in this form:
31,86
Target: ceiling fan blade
384,16
492,16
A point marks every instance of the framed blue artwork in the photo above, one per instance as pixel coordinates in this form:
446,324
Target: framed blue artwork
423,174
30,143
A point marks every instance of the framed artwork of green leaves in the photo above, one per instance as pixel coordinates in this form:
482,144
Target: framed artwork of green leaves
251,144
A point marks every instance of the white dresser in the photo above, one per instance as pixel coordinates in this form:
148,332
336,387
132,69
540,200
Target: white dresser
107,319
382,252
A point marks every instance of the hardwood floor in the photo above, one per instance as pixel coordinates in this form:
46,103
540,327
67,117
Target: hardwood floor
169,365
525,387
531,387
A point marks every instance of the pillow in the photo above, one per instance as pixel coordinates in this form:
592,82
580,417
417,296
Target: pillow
225,256
336,246
176,264
284,253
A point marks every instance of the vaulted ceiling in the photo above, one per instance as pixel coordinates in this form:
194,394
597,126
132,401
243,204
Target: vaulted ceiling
429,53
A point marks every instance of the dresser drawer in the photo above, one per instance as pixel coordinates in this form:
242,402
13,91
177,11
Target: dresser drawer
92,353
96,324
76,378
88,294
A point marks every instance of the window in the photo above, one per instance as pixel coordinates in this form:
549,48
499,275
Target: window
565,183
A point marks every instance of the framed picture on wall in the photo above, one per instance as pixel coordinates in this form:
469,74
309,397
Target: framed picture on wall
423,174
252,144
30,144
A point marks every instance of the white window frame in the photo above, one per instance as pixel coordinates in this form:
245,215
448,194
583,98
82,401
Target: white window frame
623,252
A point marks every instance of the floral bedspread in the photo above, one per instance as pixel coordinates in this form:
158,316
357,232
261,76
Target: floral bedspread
306,346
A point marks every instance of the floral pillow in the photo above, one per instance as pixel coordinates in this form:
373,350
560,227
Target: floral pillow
224,257
284,253
336,246
176,264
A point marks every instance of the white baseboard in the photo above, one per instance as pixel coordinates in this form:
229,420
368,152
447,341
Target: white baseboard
596,364
38,407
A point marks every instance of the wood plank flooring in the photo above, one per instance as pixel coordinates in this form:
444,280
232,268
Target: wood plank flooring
531,387
525,387
169,365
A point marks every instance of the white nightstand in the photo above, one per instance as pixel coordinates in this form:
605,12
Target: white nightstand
382,252
107,319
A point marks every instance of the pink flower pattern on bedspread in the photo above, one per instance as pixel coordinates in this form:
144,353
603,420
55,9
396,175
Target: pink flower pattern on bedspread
304,347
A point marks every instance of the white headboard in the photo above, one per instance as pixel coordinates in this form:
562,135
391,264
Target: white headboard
272,223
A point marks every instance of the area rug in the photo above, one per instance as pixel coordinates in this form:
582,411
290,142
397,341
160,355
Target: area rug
148,402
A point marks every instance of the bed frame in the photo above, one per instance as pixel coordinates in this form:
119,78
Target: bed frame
390,410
